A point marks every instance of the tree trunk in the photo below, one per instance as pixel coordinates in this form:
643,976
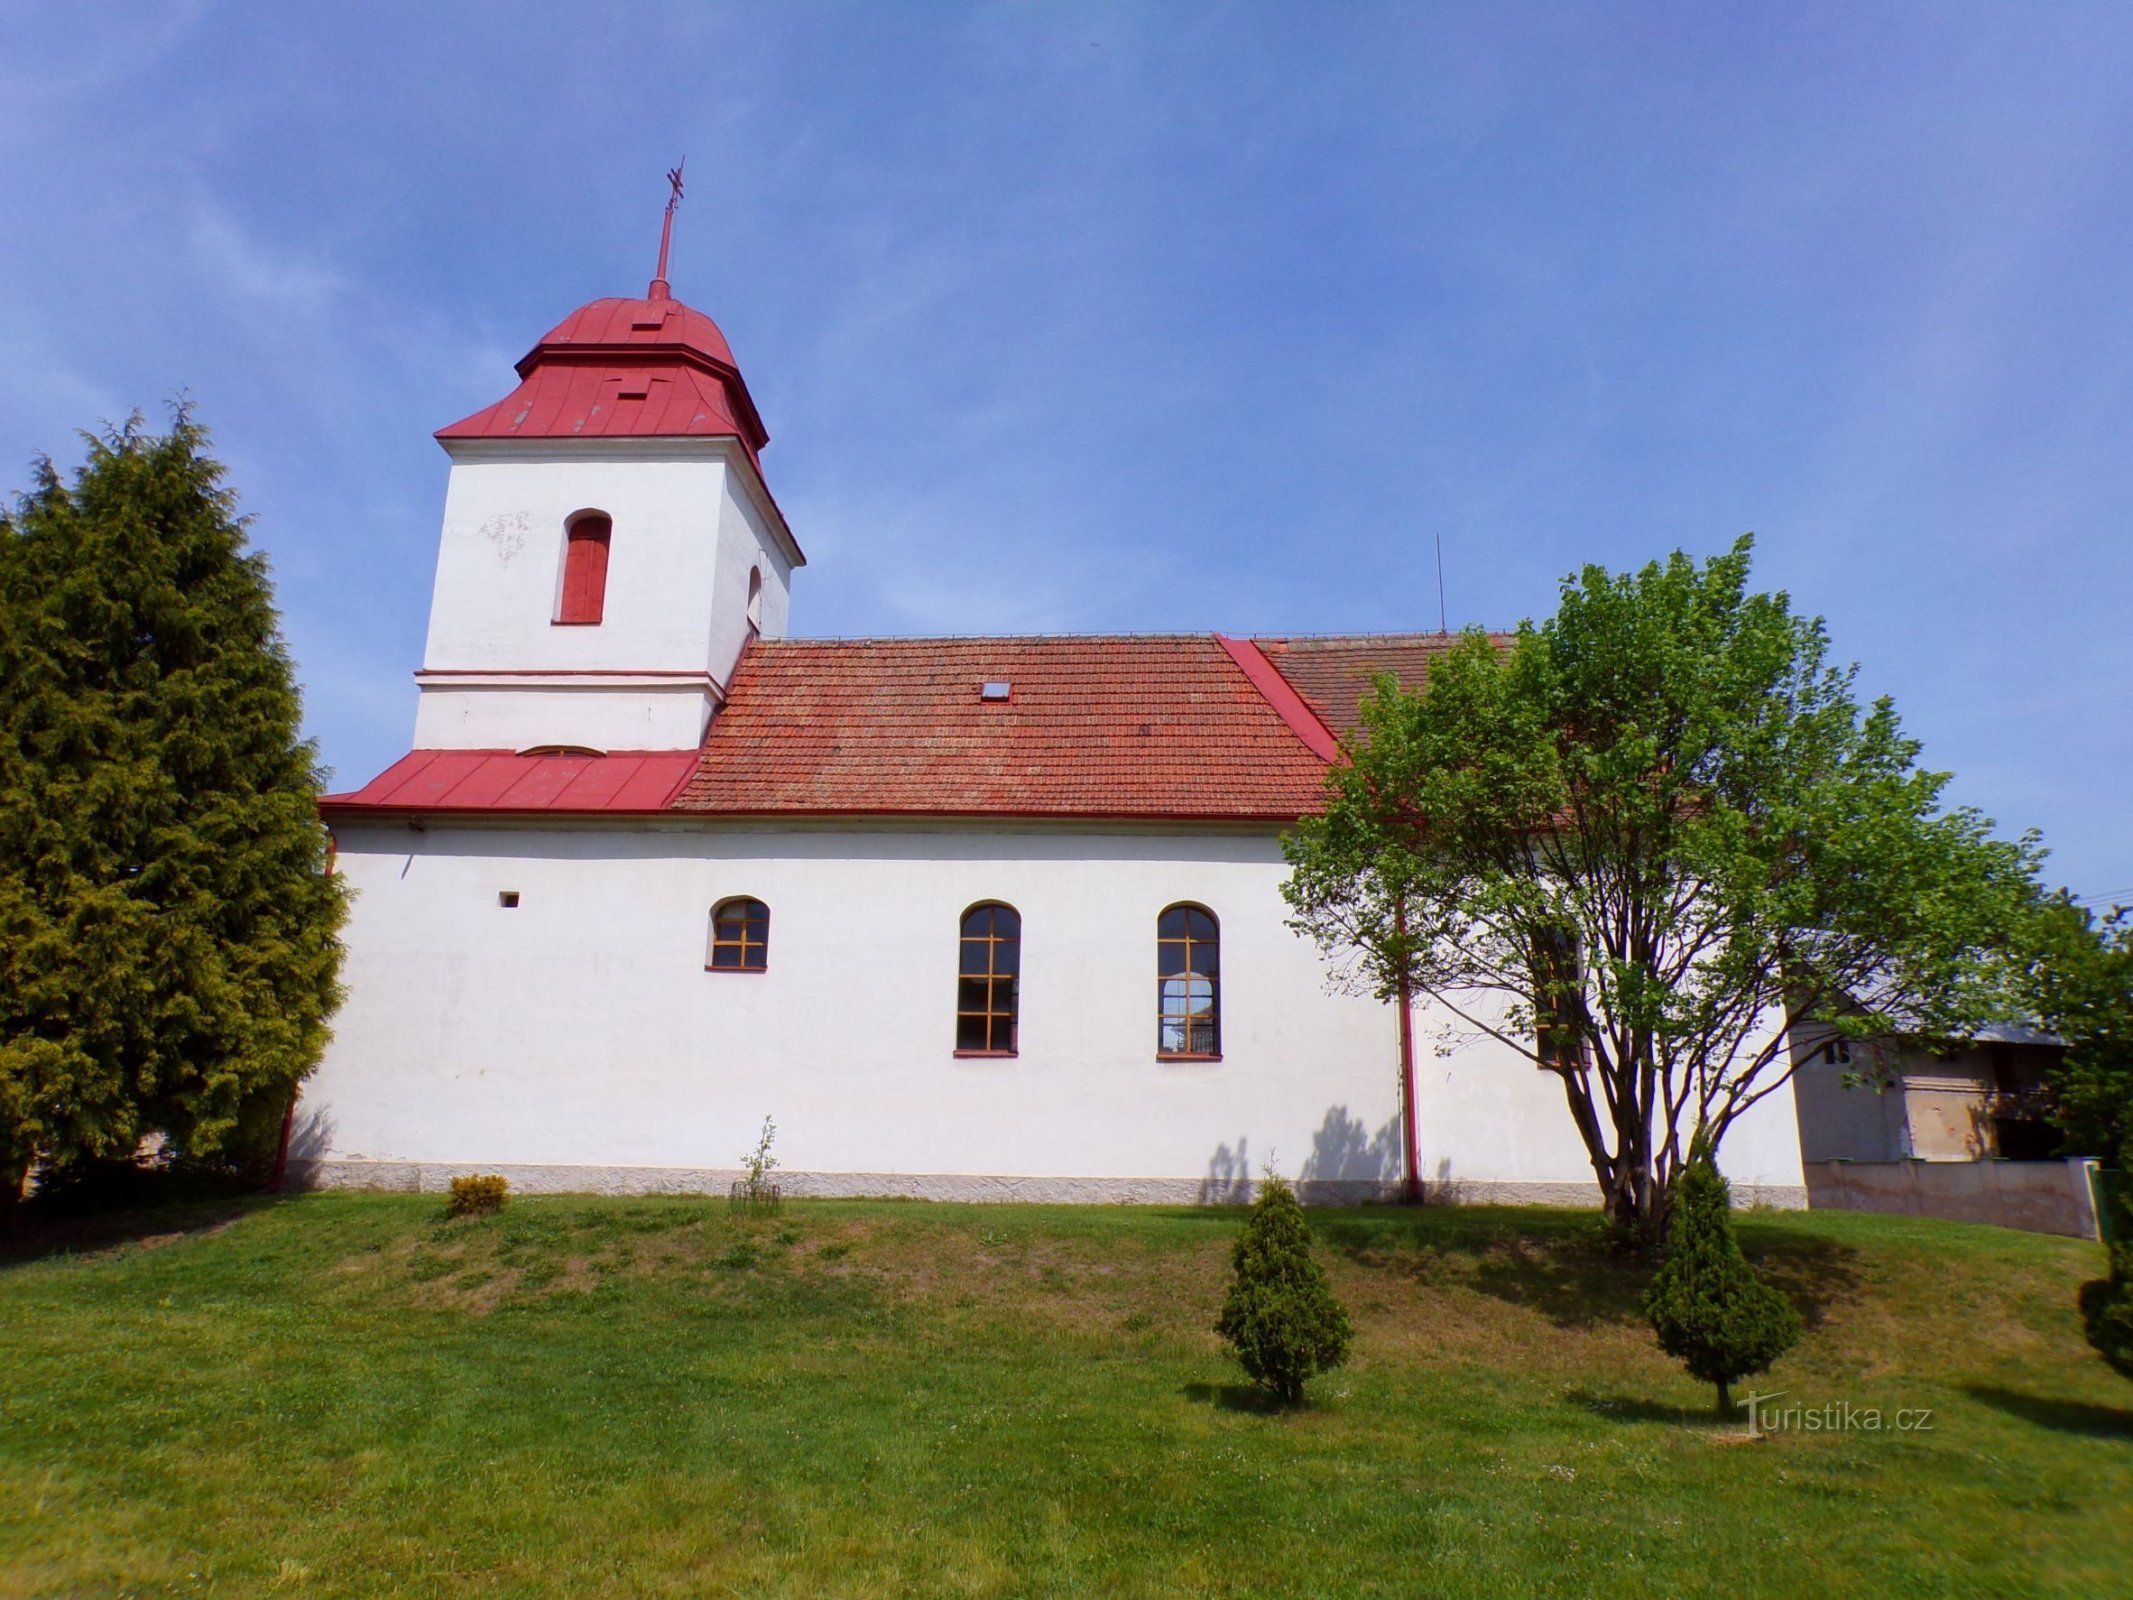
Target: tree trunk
1725,1399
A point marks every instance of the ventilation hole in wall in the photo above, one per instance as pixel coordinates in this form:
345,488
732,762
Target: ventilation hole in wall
508,899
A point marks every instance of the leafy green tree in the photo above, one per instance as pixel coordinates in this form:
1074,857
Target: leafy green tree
2080,985
1281,1318
168,951
1705,1303
1634,839
2079,972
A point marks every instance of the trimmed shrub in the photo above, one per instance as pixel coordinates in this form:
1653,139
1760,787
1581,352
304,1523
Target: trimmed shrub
1281,1319
478,1196
1709,1309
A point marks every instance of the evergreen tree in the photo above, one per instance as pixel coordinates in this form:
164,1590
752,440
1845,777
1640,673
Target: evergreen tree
168,950
1705,1303
1281,1318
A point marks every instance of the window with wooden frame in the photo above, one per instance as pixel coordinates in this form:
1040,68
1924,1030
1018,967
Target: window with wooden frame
988,974
740,936
1188,979
583,598
1558,1001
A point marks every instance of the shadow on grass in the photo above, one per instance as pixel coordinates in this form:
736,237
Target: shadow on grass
1816,1275
1560,1264
127,1205
2062,1416
1246,1397
1635,1408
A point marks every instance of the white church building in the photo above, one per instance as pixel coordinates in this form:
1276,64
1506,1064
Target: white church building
981,918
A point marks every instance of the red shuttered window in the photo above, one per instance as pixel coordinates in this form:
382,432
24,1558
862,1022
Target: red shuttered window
585,569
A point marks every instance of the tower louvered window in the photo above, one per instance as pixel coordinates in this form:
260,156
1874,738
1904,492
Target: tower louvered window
584,596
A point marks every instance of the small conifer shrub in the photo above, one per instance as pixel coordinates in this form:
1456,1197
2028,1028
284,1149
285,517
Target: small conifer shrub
1709,1309
1281,1319
481,1195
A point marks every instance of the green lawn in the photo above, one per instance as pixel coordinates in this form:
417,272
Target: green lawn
348,1395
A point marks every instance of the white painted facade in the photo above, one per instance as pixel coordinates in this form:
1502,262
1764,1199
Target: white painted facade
577,1040
692,523
530,993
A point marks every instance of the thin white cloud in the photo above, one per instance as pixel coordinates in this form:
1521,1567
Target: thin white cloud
248,269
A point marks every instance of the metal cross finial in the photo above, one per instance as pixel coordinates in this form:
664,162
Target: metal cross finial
659,289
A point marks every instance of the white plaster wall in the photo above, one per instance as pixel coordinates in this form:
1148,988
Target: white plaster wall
745,544
686,534
580,1031
460,716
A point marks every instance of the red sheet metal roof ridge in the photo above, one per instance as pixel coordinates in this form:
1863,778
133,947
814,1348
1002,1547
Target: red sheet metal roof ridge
1279,693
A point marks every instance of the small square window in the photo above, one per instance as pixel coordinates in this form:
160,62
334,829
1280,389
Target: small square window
508,899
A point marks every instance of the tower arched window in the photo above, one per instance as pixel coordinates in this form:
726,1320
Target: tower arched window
988,981
755,599
1188,984
740,936
584,592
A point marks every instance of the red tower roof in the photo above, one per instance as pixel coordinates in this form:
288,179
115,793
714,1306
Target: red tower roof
617,369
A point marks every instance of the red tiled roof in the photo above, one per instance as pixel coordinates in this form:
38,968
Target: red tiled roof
1179,727
1333,673
1121,727
501,780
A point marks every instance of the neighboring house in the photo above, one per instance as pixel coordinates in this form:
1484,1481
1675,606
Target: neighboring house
1957,1131
1891,1100
974,916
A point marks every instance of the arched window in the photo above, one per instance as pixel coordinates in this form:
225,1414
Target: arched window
1188,980
584,594
986,981
755,598
740,936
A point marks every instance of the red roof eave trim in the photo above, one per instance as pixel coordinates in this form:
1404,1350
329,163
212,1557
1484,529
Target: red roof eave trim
1279,694
505,783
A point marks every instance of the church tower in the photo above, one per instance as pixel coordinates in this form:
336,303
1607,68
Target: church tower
609,542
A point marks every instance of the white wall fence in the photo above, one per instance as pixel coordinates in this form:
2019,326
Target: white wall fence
2035,1196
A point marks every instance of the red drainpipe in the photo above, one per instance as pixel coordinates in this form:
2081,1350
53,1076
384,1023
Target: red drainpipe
1413,1184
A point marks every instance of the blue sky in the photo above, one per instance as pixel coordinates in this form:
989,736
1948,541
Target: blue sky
1089,317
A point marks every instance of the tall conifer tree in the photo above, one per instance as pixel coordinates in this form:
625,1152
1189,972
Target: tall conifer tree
168,949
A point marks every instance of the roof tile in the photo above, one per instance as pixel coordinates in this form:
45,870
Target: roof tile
1103,726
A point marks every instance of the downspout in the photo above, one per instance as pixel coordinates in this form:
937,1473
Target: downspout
1411,1189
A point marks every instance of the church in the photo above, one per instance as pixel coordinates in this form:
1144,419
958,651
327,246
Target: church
970,918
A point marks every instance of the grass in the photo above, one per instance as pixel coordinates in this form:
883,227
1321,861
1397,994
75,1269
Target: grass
348,1395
